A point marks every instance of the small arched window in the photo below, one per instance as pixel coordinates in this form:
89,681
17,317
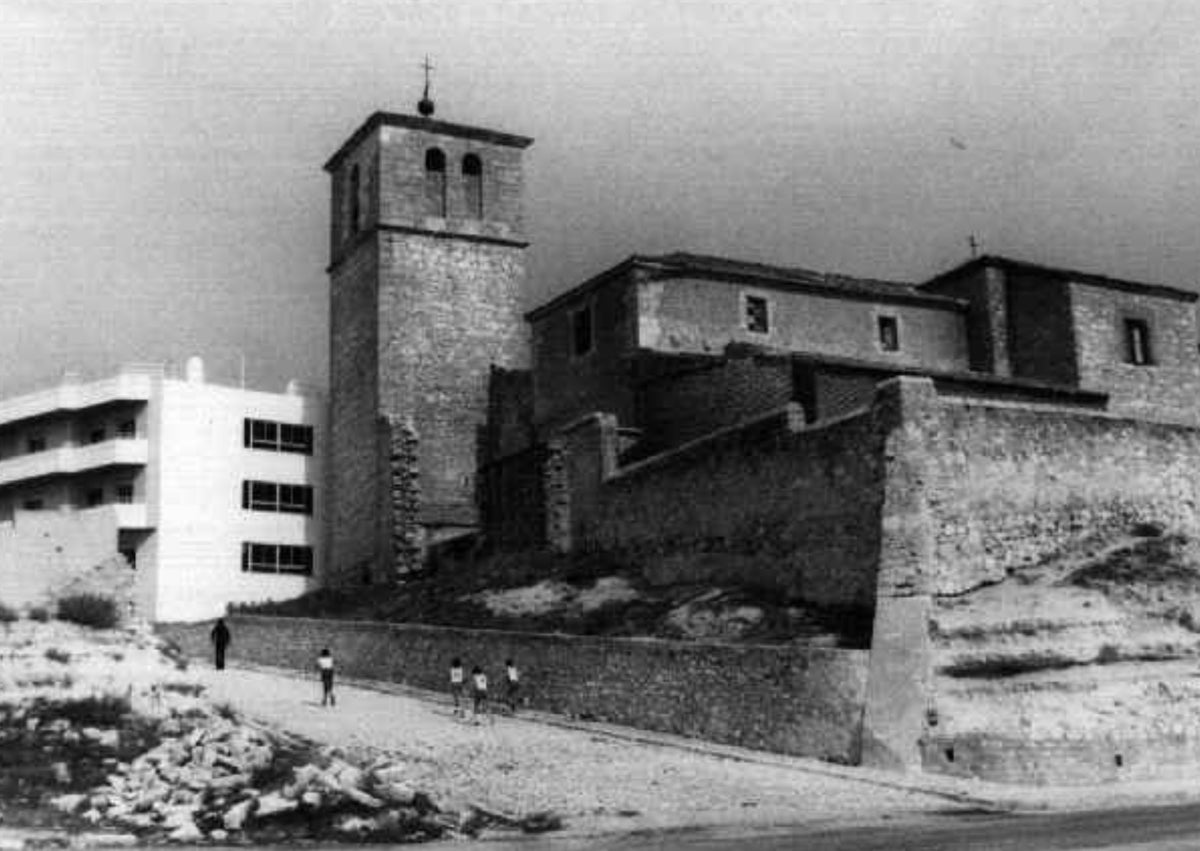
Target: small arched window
353,192
472,169
435,183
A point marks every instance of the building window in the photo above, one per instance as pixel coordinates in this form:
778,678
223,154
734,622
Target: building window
276,558
435,183
95,497
1137,342
581,331
278,437
35,444
889,333
352,190
33,504
127,429
97,435
125,493
472,169
269,496
757,314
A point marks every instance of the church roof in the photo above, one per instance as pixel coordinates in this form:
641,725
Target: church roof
679,264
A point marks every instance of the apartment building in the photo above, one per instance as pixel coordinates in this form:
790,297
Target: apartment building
211,493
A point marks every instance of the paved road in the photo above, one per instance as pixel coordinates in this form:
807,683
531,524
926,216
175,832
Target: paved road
597,783
1143,829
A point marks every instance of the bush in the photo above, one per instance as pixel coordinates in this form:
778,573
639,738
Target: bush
90,610
7,615
39,613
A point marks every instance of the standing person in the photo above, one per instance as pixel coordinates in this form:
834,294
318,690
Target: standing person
325,667
220,639
456,684
479,691
512,684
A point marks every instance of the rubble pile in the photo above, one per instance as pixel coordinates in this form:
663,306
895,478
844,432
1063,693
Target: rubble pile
225,781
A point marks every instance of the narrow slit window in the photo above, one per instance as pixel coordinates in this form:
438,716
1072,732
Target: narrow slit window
1137,342
355,203
435,183
581,331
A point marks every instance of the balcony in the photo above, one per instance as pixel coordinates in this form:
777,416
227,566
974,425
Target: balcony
129,386
68,460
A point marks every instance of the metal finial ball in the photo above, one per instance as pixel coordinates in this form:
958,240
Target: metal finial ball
425,107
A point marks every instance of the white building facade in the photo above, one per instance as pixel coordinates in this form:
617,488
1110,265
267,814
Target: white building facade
211,493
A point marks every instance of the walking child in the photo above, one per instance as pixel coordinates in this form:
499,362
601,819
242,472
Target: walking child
479,690
457,684
325,666
512,682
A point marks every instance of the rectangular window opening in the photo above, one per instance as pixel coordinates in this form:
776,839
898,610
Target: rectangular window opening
95,497
1137,342
889,334
277,437
125,493
581,331
276,558
757,314
127,429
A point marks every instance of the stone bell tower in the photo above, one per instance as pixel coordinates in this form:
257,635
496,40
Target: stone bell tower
426,273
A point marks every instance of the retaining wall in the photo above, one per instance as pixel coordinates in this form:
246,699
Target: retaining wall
805,701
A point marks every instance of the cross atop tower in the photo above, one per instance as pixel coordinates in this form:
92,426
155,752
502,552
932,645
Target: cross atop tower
425,105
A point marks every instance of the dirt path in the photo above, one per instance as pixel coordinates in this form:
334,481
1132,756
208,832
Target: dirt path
595,782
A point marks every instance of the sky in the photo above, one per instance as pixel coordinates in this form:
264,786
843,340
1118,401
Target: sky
161,189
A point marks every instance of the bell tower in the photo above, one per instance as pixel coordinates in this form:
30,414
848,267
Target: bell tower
426,274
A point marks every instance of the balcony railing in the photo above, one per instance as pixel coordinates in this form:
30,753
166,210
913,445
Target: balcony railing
125,386
67,460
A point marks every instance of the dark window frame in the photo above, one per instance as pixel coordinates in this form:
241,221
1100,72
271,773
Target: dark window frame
583,330
472,172
888,332
296,438
1139,348
295,559
756,313
435,182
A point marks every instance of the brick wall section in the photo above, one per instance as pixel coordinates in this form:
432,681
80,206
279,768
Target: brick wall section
557,487
987,321
353,471
514,500
567,386
1084,760
700,316
699,399
797,700
406,542
1169,389
1040,329
448,310
798,508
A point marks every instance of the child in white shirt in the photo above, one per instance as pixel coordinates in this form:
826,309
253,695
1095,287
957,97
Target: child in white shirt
325,667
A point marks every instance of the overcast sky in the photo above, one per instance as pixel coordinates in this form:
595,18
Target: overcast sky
161,191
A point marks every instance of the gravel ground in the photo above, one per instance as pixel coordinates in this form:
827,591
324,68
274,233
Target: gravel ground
597,783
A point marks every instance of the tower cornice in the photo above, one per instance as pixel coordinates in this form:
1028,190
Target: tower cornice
429,125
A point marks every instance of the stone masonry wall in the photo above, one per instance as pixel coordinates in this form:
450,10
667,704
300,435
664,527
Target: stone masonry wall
1169,387
797,508
798,700
448,310
353,472
676,408
1008,486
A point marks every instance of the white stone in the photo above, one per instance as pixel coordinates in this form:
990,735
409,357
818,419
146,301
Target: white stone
68,803
236,815
186,833
272,803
